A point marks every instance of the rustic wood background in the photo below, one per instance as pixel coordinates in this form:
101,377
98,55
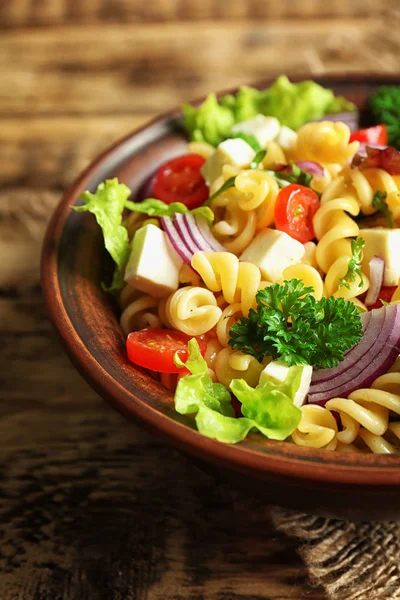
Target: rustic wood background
92,507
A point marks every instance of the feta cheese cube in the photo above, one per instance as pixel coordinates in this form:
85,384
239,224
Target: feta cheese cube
286,138
272,251
235,152
384,243
264,129
277,372
153,265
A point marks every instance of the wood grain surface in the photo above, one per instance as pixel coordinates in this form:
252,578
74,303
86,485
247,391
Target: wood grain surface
91,507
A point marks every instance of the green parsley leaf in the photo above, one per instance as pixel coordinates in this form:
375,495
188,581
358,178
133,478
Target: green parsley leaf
379,202
250,139
259,157
296,175
290,324
354,266
157,208
107,205
225,186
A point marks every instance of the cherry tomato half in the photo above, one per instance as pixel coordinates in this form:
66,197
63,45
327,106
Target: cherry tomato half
385,294
154,349
295,208
371,135
180,180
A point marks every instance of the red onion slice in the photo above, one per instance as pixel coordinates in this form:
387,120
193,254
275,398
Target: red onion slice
376,361
372,328
185,235
195,233
204,228
176,241
376,272
311,167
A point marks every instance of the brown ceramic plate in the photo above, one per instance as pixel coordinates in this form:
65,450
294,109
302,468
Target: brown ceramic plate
73,265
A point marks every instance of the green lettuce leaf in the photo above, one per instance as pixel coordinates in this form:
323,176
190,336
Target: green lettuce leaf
197,390
157,208
340,104
293,104
248,103
210,122
266,408
269,408
107,205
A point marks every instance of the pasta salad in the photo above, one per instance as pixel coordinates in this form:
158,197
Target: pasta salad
259,273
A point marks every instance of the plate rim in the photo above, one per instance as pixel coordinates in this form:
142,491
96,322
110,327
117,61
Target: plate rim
311,465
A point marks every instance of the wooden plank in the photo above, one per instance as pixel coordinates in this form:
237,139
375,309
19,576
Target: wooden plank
23,13
50,152
129,69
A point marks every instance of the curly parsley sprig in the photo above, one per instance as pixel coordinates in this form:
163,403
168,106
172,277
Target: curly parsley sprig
290,324
379,202
354,266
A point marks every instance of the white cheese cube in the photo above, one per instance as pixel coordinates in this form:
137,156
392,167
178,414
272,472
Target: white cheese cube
263,128
272,251
153,265
286,138
276,371
384,243
235,152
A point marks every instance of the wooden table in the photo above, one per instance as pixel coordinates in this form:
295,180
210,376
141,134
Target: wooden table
91,506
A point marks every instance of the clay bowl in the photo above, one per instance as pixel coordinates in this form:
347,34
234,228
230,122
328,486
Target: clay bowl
74,262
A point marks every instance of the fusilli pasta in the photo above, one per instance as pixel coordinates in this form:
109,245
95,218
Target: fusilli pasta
140,314
222,271
232,364
192,310
324,142
334,229
234,228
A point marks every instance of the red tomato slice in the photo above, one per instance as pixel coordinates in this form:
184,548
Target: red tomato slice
180,180
154,349
371,135
295,208
385,294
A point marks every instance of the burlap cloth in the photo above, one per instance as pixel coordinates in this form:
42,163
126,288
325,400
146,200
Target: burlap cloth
351,561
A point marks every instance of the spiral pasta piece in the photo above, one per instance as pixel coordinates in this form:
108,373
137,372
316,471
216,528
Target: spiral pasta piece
188,276
229,316
192,310
334,229
140,314
365,413
232,364
308,275
319,183
324,142
234,227
222,271
364,184
317,428
259,191
275,156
